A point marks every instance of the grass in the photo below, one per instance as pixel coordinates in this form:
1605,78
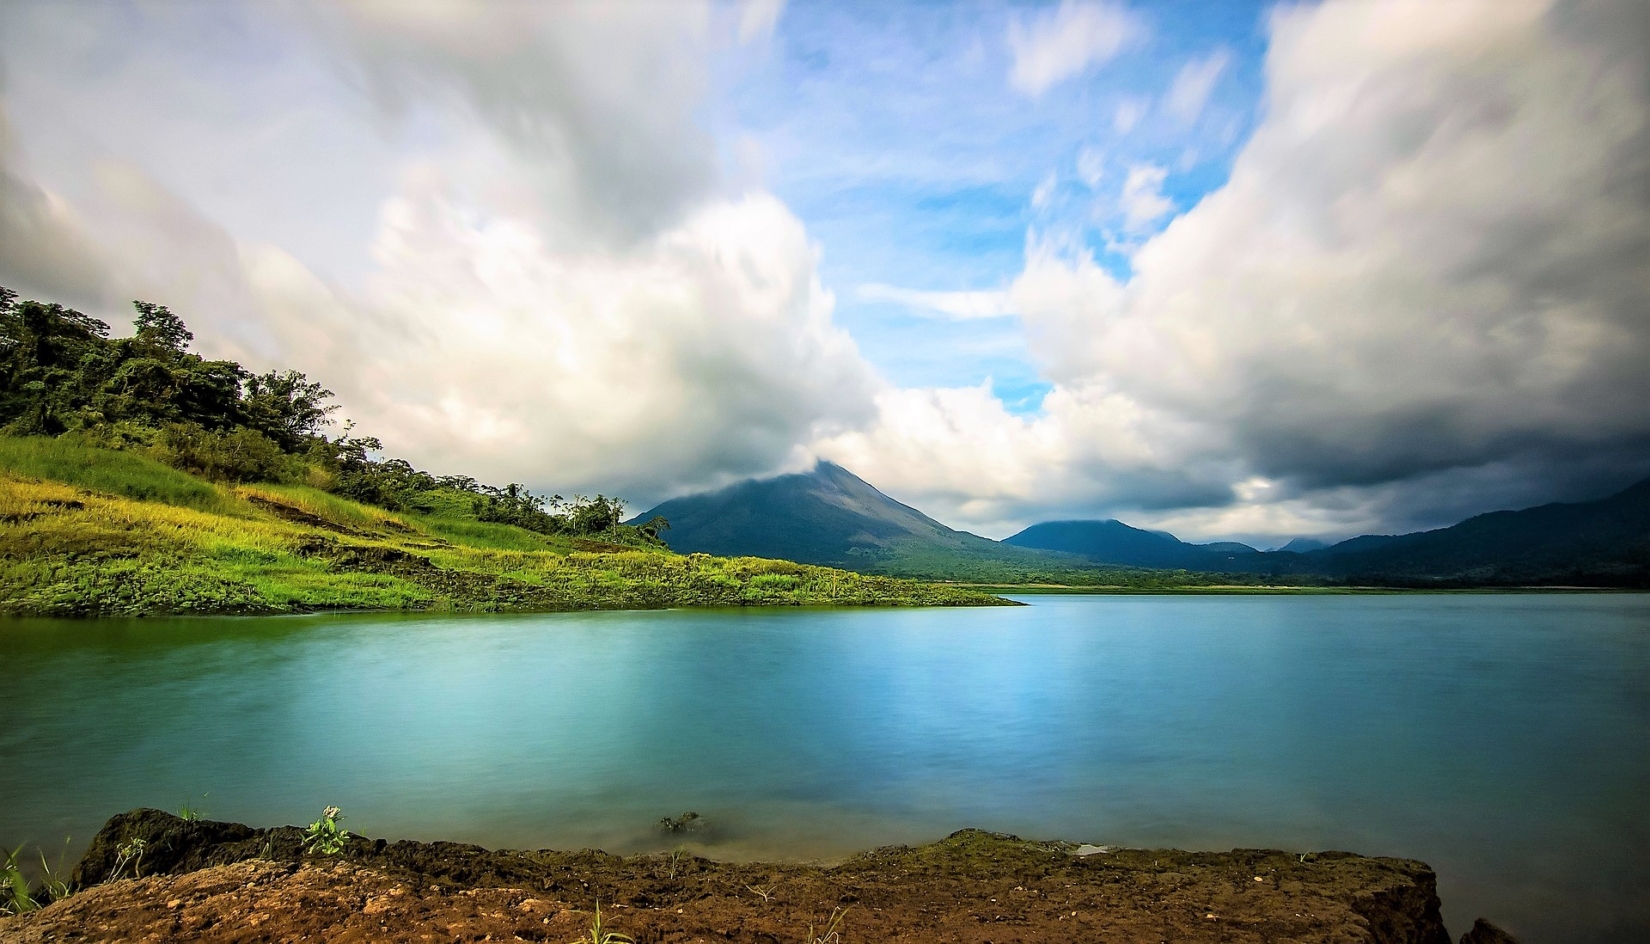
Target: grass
15,897
983,565
191,813
601,935
832,934
113,472
86,531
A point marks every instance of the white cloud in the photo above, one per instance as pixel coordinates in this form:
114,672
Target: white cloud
1193,84
954,451
1091,166
1044,191
757,19
1128,114
596,99
1142,199
42,240
705,355
1061,43
956,305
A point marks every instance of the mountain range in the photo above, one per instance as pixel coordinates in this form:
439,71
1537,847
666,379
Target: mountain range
830,516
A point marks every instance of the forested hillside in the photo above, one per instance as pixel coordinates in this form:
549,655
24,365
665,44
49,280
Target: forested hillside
1597,543
62,375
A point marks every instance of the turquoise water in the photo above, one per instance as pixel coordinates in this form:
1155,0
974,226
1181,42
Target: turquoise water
1503,739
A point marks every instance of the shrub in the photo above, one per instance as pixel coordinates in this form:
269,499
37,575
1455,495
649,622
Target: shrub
235,455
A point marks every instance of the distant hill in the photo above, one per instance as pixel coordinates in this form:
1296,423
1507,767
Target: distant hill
1303,545
1596,543
831,516
1113,542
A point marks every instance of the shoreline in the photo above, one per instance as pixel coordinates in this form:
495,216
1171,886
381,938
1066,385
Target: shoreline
210,881
1054,589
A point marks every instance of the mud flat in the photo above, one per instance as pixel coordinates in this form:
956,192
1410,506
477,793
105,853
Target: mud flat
211,881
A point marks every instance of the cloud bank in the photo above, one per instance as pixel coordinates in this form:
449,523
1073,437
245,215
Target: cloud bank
565,297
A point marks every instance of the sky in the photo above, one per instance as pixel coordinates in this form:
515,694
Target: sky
1237,270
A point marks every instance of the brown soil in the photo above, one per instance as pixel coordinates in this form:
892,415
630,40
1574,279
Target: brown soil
226,882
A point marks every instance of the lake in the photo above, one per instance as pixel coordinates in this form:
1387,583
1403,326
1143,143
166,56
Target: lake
1505,739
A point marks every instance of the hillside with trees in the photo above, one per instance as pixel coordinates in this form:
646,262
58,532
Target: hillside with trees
62,375
139,477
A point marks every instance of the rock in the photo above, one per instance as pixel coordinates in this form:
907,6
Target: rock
223,880
169,845
1484,932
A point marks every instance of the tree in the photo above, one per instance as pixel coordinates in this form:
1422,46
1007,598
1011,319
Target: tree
286,406
651,527
42,350
595,515
158,326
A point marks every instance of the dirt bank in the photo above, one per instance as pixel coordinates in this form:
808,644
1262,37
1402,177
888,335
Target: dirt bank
206,881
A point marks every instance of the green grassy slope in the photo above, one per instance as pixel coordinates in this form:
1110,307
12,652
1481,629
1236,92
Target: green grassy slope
90,531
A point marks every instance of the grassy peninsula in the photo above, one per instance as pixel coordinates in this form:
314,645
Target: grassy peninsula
86,531
138,478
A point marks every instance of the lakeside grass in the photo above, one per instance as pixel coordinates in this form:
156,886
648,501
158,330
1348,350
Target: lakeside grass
86,531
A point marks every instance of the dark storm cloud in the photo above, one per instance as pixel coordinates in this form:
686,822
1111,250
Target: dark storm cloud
1430,266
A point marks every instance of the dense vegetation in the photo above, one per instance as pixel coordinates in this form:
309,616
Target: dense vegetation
137,477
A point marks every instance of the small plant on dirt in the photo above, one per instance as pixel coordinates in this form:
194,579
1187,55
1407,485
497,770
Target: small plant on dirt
191,814
325,836
763,892
14,887
129,853
680,824
676,856
600,935
52,881
833,929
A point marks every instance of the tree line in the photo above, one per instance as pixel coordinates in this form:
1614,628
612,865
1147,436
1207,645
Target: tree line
61,374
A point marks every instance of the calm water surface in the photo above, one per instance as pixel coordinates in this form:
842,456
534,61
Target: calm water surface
1503,739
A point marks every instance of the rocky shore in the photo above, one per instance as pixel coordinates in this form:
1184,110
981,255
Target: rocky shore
211,881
